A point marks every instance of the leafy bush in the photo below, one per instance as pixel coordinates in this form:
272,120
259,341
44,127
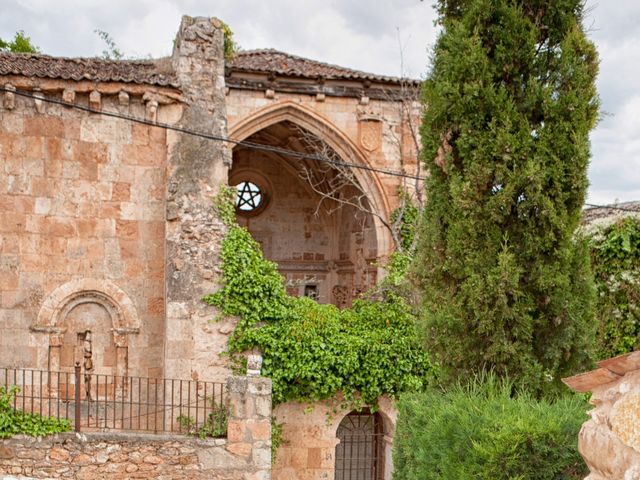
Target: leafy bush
615,259
14,422
312,351
483,431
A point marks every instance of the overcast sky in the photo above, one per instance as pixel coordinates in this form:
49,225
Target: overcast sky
380,36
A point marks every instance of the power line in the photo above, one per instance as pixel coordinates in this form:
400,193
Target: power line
208,136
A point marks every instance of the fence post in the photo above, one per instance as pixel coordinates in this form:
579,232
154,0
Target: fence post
77,397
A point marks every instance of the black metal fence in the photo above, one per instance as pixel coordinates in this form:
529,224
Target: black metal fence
96,402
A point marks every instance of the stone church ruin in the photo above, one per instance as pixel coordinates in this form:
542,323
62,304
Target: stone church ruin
108,238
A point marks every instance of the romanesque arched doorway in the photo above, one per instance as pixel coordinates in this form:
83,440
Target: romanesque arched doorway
313,218
360,451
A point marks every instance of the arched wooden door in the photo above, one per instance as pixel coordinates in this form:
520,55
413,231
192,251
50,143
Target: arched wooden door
359,455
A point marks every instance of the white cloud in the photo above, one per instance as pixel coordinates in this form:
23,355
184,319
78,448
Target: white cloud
354,33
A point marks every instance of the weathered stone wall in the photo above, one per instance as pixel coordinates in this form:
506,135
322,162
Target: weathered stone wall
244,455
309,439
117,456
610,441
81,197
196,170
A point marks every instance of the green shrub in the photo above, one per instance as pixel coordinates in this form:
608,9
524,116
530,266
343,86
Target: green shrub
214,426
615,257
14,422
484,431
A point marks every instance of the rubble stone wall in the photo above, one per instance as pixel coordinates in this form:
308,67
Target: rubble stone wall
244,455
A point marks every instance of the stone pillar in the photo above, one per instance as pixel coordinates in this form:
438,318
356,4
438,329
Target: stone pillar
249,431
197,167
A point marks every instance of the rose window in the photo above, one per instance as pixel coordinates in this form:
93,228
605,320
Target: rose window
249,197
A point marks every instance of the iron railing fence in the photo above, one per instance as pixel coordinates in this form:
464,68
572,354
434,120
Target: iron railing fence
96,402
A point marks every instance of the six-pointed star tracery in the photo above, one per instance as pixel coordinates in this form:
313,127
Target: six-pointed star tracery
249,196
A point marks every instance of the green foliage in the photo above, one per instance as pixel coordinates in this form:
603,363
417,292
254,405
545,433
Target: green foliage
230,46
511,100
111,52
615,256
224,203
480,431
276,439
407,219
14,422
215,426
21,43
312,351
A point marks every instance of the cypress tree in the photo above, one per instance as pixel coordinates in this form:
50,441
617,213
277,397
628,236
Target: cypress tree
510,100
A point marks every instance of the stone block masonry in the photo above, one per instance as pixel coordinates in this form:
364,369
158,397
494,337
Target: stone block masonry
244,455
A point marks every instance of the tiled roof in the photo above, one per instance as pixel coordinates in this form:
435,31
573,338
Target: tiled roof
96,69
610,370
155,72
274,61
610,213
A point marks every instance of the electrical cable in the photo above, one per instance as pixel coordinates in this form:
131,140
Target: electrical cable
244,143
208,136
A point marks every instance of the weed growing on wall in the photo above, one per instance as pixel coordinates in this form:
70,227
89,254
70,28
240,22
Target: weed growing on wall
313,351
14,422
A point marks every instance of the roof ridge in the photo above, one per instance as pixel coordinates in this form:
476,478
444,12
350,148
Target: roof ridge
46,56
341,72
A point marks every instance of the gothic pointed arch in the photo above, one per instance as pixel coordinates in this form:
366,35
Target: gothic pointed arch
323,128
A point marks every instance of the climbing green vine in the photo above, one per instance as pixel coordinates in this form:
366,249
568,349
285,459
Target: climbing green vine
313,351
615,258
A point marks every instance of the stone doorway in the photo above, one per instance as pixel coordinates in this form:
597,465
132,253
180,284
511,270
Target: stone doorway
360,451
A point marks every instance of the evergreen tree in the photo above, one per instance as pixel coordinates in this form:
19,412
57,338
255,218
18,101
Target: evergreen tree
510,99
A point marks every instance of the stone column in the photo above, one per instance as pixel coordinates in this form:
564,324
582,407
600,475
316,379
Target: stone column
197,167
249,431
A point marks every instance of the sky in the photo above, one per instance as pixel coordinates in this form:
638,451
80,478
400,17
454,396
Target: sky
392,37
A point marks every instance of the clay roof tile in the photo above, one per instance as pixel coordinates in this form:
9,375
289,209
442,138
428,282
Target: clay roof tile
96,69
274,61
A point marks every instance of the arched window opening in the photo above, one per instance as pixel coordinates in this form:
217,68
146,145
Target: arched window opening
313,219
360,452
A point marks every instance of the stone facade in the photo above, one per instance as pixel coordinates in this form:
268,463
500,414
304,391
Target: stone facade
610,441
308,449
108,238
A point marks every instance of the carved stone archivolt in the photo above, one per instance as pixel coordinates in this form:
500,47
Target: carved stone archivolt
56,311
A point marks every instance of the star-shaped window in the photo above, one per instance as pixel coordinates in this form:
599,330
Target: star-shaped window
249,197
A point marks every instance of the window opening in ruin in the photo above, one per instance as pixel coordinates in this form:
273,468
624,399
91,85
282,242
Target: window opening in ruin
85,352
249,197
360,451
311,291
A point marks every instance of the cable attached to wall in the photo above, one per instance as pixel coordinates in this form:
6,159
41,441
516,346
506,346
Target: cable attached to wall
208,136
244,143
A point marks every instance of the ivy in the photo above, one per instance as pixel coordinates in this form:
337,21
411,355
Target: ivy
312,351
14,422
615,258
